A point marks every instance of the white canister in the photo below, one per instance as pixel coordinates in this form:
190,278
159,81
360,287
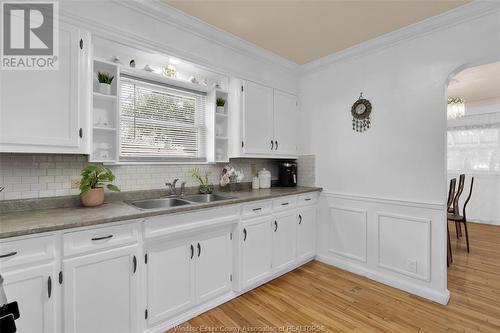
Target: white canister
264,178
255,183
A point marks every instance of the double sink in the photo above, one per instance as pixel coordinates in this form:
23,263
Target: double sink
164,203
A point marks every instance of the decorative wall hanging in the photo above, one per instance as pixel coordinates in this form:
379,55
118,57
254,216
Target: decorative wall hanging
361,110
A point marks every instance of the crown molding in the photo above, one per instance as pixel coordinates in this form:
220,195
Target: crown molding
172,16
442,21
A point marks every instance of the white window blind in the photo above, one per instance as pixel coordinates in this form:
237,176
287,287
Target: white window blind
474,150
160,122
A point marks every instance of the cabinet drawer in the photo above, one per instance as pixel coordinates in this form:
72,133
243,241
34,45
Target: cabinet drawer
26,251
256,209
308,198
100,238
284,203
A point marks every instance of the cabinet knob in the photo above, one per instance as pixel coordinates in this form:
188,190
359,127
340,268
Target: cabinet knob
244,234
192,251
276,145
134,260
199,250
10,254
300,219
275,226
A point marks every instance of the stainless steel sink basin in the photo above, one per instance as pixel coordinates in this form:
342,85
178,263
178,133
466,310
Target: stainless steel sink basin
159,203
205,198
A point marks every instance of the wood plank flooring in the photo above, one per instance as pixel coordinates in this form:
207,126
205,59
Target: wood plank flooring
320,298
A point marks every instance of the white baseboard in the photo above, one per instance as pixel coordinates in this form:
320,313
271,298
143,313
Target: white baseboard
412,288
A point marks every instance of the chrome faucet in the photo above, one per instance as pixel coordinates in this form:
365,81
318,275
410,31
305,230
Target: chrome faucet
172,189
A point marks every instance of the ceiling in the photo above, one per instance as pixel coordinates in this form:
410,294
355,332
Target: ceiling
305,30
476,83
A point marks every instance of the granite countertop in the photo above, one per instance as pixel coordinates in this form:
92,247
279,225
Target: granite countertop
19,223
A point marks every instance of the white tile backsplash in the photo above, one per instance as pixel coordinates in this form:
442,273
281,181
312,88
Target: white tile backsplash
306,170
45,175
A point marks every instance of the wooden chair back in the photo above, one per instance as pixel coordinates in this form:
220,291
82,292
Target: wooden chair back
468,198
461,182
451,192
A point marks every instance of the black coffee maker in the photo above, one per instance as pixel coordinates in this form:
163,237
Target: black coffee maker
288,174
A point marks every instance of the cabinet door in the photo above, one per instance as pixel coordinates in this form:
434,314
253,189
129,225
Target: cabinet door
257,119
30,288
213,265
306,232
39,109
256,251
285,123
284,240
100,292
170,279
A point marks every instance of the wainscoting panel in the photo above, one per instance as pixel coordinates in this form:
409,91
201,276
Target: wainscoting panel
398,242
348,232
404,245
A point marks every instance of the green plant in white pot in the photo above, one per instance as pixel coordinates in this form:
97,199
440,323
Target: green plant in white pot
205,187
105,80
221,102
94,178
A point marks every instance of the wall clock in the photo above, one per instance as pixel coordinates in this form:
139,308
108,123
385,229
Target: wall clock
360,111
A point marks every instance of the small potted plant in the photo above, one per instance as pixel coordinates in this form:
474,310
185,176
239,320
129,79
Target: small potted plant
94,178
220,105
205,187
105,80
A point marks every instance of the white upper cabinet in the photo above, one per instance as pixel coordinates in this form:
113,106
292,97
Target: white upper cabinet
267,123
42,111
258,119
285,123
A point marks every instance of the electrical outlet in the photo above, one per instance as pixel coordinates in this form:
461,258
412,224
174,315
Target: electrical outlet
412,265
75,183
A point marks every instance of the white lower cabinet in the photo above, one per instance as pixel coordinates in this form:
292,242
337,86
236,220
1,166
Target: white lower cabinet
186,266
213,265
306,232
284,240
35,290
170,279
184,273
256,250
100,292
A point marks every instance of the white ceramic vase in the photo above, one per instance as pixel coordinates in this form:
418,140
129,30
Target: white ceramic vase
105,88
220,110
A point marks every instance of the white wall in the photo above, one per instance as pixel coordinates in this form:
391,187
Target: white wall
398,167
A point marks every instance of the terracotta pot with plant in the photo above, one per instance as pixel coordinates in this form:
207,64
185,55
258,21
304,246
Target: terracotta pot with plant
94,178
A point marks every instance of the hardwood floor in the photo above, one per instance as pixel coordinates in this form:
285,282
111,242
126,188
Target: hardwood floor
318,297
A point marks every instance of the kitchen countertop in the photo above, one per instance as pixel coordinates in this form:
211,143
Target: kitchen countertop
44,220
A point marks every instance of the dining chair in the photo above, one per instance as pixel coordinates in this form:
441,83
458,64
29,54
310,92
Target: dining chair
457,218
451,196
454,208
